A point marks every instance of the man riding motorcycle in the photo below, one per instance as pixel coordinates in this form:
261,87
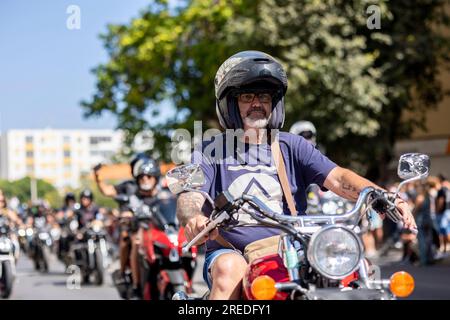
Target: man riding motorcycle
87,210
146,173
250,88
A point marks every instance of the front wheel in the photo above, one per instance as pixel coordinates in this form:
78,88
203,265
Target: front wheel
99,270
171,289
6,281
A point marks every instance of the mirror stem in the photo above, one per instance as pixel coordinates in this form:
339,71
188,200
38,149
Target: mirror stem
401,184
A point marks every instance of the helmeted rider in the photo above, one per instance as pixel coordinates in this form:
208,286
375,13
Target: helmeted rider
250,87
88,210
144,187
307,130
70,201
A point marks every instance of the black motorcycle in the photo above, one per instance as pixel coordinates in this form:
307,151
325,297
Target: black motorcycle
67,232
41,244
90,252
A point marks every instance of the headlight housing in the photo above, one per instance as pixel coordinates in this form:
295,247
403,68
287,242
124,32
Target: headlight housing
335,252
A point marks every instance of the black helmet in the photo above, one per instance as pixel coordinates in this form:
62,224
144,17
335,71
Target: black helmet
138,156
249,70
145,165
70,196
86,193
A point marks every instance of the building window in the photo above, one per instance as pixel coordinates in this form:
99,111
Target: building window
30,168
66,139
29,139
30,154
97,140
66,153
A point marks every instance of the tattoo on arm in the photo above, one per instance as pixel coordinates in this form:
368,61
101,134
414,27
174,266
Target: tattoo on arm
349,188
350,185
189,204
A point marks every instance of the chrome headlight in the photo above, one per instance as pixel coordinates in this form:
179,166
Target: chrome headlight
73,225
174,239
43,235
22,233
29,232
335,252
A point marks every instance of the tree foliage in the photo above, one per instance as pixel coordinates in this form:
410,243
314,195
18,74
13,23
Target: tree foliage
22,190
354,83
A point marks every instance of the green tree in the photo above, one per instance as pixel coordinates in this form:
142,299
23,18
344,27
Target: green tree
354,83
22,190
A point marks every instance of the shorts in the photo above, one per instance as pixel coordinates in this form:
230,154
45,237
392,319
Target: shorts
443,222
375,221
210,257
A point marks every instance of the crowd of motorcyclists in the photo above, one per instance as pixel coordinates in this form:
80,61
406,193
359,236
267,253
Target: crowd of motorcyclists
142,233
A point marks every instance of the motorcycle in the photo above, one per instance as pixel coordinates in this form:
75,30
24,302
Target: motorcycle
41,244
7,260
64,238
90,252
318,256
164,268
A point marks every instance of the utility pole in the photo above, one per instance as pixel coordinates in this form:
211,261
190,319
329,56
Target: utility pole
33,188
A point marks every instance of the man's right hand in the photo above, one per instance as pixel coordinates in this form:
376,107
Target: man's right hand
97,168
197,224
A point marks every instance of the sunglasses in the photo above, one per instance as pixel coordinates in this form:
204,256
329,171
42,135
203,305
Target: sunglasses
307,135
263,97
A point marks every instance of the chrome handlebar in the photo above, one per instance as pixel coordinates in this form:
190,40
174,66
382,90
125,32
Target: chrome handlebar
302,221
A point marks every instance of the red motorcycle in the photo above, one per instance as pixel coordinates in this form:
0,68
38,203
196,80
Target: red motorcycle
315,257
164,268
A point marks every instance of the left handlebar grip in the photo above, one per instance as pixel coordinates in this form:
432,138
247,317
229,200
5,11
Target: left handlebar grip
200,235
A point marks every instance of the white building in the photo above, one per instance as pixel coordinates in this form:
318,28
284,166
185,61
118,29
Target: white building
57,156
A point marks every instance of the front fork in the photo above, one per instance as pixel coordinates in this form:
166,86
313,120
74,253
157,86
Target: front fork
91,253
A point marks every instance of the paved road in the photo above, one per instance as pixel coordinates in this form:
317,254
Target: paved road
31,284
58,285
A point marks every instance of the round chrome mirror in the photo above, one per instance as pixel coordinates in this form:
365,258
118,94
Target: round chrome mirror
412,165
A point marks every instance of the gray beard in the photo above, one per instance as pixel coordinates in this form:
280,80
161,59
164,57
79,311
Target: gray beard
257,123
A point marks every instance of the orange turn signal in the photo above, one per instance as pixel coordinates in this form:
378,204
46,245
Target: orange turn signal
263,288
402,284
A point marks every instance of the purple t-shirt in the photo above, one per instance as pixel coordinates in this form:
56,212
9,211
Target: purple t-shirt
249,168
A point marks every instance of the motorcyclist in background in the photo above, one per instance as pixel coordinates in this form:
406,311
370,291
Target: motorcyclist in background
144,186
307,130
14,222
88,209
70,201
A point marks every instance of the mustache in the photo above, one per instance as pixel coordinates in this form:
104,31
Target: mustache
257,109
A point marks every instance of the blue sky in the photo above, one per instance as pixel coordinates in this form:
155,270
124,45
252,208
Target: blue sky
45,67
